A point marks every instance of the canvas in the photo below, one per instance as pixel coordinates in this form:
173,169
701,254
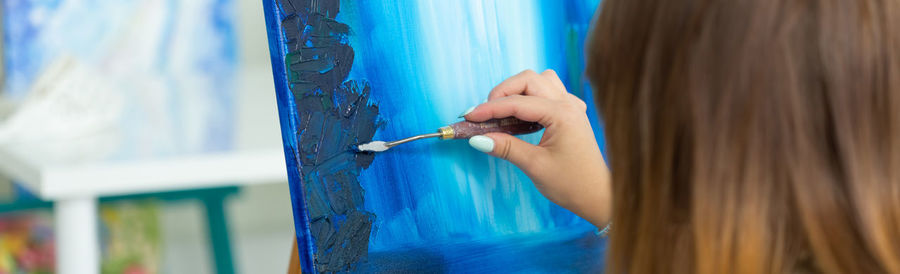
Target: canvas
348,72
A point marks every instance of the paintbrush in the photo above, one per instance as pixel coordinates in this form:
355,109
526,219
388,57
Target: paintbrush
461,130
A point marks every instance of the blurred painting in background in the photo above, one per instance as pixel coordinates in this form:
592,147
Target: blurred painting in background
108,80
26,243
112,74
130,230
348,72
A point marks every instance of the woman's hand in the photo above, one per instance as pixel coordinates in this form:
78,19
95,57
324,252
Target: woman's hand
566,166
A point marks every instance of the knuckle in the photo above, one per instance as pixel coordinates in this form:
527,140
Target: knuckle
532,82
581,105
505,150
549,72
577,102
528,72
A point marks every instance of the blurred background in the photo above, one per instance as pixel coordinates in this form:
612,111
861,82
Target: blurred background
95,85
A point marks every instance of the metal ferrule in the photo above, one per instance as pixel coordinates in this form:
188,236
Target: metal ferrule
446,132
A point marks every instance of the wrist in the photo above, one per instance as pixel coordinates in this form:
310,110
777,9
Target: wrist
594,204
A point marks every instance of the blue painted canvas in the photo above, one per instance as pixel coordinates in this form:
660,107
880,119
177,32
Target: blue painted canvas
348,72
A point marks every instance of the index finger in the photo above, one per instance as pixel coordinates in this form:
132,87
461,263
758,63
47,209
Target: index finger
527,82
526,108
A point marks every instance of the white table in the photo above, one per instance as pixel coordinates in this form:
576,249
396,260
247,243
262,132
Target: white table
76,188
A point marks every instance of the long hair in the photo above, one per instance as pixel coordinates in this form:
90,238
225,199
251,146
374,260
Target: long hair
751,136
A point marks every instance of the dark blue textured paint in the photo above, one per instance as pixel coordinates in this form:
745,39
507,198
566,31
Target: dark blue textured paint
332,115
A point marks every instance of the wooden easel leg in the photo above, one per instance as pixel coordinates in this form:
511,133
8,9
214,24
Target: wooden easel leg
294,265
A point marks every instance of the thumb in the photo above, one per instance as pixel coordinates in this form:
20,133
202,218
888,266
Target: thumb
507,147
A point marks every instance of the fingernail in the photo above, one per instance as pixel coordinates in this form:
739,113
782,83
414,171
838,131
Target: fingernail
468,110
482,143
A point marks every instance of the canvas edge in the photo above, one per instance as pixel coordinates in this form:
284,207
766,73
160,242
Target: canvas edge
286,116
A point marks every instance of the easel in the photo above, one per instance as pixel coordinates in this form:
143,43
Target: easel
294,265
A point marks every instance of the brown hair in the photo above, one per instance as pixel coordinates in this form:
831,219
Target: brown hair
751,136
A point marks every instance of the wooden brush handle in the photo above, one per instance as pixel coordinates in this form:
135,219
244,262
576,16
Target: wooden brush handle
511,126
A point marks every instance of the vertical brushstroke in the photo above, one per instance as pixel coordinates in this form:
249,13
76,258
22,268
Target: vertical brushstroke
332,114
424,70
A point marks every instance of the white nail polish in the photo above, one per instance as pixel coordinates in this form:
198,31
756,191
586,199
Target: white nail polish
482,143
